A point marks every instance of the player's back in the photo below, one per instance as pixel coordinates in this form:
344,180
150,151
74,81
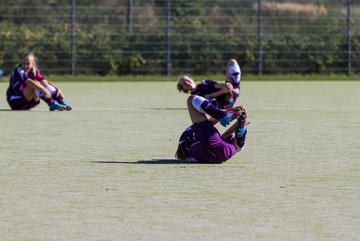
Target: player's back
16,81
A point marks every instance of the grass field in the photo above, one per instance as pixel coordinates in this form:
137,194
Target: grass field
106,170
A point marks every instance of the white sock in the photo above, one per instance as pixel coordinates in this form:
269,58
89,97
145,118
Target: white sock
235,73
197,101
51,89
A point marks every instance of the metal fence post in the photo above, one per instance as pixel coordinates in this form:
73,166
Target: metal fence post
168,41
349,35
73,59
129,15
260,37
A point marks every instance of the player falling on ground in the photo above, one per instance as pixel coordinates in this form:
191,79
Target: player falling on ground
223,95
27,85
201,142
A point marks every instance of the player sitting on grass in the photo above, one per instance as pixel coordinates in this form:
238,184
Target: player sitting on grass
27,85
213,91
201,142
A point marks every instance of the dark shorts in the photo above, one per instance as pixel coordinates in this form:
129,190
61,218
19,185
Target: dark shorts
208,145
19,102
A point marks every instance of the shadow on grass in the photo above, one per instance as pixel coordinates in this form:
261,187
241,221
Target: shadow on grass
31,110
153,161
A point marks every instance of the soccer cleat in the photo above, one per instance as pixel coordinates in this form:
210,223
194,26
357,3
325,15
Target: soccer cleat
241,126
56,106
231,114
67,107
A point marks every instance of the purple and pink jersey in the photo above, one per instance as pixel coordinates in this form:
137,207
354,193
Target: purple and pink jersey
207,87
235,94
203,142
17,80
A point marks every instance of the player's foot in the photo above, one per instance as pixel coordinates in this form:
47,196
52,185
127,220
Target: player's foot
67,107
241,126
56,106
231,114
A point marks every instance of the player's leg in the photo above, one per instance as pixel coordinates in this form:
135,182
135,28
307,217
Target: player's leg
237,112
198,106
241,130
197,114
31,97
52,101
233,71
230,130
53,104
29,93
55,94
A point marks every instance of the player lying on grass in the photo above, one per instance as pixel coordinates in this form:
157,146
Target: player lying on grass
201,142
27,85
223,95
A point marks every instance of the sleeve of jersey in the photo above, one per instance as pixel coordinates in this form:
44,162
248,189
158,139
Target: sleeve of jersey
24,76
38,76
208,82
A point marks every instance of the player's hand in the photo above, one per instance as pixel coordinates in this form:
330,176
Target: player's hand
243,109
229,86
46,94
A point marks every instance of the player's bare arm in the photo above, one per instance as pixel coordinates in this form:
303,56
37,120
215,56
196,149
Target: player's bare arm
37,86
223,89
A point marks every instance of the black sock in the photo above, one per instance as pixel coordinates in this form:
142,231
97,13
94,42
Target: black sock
58,99
212,110
49,101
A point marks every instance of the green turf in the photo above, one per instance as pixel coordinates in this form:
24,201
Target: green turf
106,170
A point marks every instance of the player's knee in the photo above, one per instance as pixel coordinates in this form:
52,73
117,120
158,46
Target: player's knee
196,101
189,100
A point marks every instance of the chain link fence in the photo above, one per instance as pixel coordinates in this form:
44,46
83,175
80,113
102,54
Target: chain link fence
180,36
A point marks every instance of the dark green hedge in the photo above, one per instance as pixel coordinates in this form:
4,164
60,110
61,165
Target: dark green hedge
103,52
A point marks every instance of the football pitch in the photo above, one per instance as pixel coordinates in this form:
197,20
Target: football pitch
106,170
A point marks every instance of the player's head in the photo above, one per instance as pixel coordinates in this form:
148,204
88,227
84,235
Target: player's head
186,84
28,62
233,71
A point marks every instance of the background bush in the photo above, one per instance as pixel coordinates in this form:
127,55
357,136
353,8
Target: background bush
204,34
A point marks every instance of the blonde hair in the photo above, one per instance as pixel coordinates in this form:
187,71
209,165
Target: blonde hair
179,85
34,63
